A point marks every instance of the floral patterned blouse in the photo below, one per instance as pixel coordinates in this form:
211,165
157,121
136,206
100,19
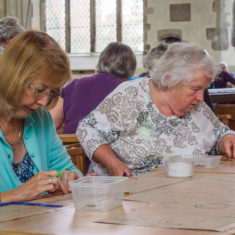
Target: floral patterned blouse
130,123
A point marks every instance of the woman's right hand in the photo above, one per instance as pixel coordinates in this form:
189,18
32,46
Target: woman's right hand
118,168
38,184
106,157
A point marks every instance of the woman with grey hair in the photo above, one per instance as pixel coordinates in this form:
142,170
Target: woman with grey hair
144,119
9,28
153,55
117,63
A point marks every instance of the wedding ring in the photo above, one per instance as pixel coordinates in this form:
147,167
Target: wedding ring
50,179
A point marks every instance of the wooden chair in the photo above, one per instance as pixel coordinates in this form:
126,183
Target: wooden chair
225,118
75,151
226,109
68,139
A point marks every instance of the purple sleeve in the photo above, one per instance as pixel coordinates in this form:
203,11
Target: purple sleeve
229,78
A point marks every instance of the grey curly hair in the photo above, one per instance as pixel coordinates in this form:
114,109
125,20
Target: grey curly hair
180,62
117,59
154,54
9,28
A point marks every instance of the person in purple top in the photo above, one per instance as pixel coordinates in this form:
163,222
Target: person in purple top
117,63
224,79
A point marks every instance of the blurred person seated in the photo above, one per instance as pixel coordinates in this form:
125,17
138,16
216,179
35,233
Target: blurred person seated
224,79
145,119
33,68
154,54
117,63
9,28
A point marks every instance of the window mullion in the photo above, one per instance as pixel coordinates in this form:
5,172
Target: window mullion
93,25
67,26
119,20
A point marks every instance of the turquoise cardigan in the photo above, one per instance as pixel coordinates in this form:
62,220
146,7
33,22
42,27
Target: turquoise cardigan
43,145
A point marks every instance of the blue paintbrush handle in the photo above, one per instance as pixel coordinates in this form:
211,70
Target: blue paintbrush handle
29,204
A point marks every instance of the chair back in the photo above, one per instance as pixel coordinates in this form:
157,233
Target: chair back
225,118
75,151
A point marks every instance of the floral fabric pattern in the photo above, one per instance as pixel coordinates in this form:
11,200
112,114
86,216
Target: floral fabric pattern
24,168
140,136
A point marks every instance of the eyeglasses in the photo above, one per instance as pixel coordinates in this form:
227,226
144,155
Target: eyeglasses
40,93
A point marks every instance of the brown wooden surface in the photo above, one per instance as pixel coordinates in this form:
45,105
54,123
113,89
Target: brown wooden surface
227,109
68,138
225,118
78,156
68,221
70,141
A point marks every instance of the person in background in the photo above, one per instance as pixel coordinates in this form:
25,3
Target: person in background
33,68
154,54
117,63
224,79
9,28
145,119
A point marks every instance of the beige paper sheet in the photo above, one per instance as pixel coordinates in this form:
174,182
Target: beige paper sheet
206,203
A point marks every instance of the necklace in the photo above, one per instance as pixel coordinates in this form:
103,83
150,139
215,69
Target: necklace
18,141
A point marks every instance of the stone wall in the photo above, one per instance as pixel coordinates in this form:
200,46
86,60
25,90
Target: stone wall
209,23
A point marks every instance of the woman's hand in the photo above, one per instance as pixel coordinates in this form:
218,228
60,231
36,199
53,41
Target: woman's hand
118,168
38,184
227,145
106,157
66,177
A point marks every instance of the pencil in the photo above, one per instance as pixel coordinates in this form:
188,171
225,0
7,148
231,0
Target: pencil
59,173
127,193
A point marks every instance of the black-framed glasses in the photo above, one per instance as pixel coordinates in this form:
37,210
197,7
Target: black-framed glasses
40,93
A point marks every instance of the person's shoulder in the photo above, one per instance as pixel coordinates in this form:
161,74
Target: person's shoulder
138,84
77,82
104,77
224,73
73,82
86,80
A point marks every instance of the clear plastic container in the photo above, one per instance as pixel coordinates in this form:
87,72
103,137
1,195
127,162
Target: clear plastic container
206,161
180,166
98,193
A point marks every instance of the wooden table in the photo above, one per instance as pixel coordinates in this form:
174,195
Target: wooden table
68,221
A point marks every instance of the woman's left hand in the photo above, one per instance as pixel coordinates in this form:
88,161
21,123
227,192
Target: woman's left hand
66,177
227,145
